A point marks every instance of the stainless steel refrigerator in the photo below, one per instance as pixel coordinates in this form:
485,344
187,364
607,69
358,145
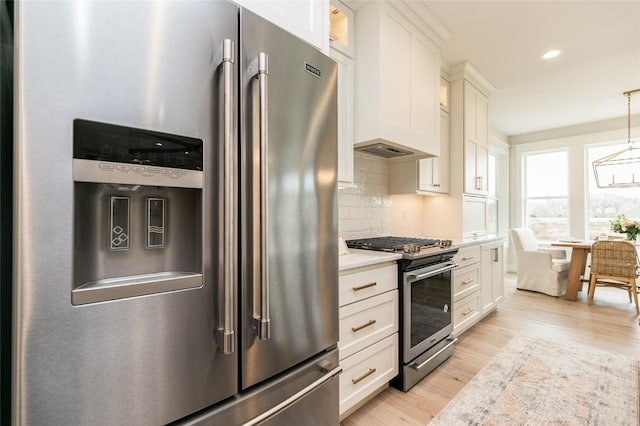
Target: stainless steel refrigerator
175,220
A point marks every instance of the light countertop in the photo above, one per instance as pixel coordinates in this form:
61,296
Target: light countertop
357,258
482,239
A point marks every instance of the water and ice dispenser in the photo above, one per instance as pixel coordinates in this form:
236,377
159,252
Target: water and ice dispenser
137,212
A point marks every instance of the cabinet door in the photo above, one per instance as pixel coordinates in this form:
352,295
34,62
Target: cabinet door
498,275
395,71
476,115
345,117
307,19
443,161
476,141
341,32
474,216
470,160
482,170
486,284
434,172
476,168
425,93
427,174
492,286
397,80
482,119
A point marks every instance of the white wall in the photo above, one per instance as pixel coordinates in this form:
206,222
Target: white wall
369,211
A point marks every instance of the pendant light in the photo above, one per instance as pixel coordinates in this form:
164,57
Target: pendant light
621,169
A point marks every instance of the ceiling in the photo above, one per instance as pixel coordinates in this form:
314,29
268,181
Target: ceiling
504,41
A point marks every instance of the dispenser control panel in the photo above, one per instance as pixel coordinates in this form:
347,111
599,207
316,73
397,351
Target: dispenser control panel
109,153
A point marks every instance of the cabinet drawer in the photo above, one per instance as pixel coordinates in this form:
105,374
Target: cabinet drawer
355,286
367,321
465,281
466,312
367,370
467,256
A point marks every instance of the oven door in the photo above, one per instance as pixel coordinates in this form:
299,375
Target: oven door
427,308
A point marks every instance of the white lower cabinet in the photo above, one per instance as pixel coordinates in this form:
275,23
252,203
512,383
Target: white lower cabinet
466,312
365,283
493,275
364,372
366,322
478,283
368,342
466,288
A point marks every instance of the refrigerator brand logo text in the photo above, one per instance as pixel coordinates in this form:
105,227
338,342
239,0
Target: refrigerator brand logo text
313,70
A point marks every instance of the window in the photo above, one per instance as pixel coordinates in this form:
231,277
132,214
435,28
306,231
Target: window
606,203
546,200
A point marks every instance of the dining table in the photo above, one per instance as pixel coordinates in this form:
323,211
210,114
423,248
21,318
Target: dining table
579,252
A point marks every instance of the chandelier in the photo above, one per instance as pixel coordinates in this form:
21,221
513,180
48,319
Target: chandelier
621,169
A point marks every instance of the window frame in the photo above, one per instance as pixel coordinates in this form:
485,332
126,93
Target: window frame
524,191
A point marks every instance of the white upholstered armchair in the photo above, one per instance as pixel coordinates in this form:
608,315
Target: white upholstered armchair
541,270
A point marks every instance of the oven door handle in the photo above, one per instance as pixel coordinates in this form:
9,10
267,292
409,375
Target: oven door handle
434,272
416,366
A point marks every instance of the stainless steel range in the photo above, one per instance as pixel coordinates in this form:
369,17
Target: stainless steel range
425,283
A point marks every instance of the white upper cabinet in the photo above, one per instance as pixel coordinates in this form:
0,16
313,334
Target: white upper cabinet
341,37
470,127
434,172
306,19
341,28
397,81
345,118
428,176
476,141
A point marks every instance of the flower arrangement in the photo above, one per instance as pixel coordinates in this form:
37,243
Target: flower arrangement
624,225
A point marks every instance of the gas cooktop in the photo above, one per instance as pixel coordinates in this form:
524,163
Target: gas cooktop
408,246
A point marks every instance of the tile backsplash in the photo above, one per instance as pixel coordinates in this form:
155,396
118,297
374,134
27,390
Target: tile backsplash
369,211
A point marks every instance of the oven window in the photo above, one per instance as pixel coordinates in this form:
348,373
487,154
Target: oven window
430,306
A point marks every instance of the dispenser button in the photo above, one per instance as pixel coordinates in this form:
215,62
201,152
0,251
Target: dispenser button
119,223
105,166
153,170
122,168
155,222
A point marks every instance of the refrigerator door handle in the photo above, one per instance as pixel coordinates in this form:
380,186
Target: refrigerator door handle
263,323
225,334
299,395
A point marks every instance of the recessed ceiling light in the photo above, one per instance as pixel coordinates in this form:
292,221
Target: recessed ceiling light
551,54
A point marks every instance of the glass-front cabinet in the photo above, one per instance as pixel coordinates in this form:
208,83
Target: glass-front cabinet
341,40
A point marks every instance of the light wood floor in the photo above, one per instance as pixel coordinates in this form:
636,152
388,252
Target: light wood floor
609,324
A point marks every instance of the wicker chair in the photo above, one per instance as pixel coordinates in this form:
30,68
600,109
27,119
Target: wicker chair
614,264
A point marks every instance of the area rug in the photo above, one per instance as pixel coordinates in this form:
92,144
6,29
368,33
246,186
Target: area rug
538,382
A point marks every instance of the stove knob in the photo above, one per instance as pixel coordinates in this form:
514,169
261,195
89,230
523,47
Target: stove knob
410,248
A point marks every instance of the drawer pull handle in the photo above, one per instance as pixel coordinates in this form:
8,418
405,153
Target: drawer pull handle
360,327
363,376
468,258
467,312
469,281
362,287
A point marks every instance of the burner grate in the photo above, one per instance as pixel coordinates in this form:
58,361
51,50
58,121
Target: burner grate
393,244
